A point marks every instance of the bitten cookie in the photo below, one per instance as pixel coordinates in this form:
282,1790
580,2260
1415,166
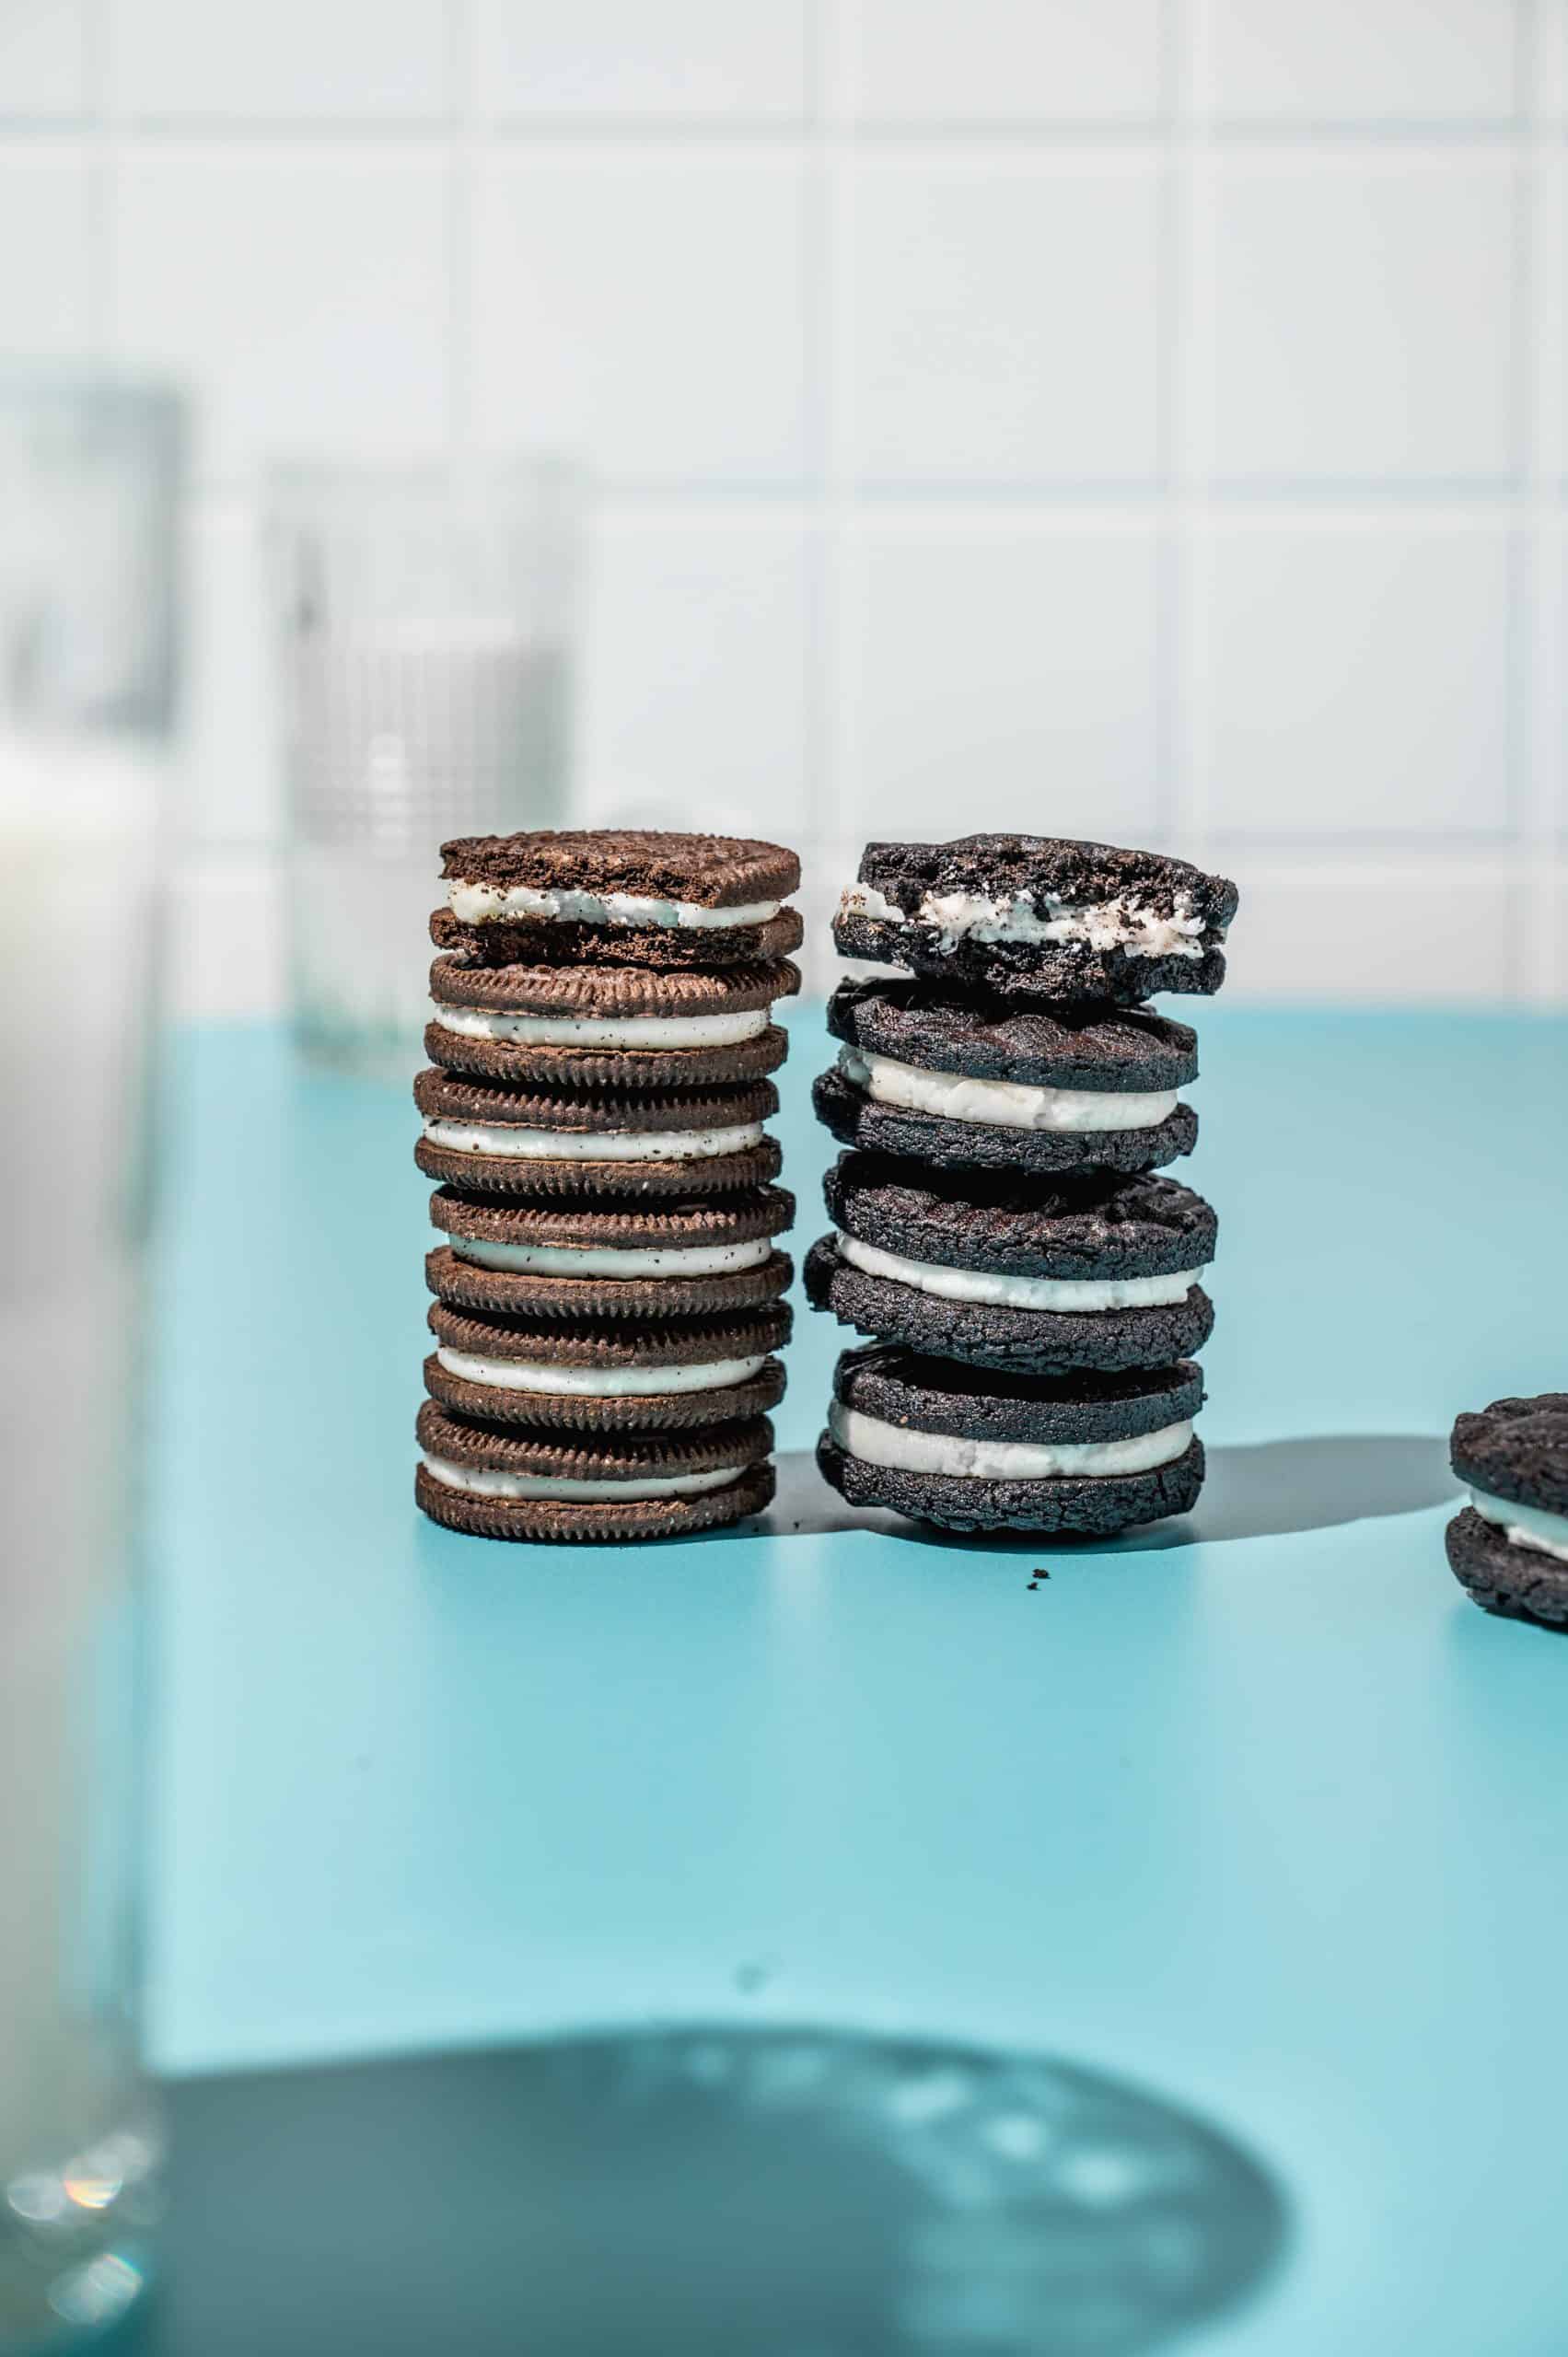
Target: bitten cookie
700,1258
976,1449
1099,1273
1509,1548
1030,916
681,1373
489,1140
616,896
968,1083
497,1483
617,1027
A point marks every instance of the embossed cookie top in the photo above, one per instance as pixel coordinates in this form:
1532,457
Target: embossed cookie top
707,871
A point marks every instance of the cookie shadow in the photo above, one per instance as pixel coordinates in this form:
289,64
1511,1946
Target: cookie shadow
1265,1489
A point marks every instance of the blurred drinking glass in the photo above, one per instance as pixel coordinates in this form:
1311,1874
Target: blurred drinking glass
89,483
426,622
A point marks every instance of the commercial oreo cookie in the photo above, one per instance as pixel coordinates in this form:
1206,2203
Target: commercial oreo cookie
1509,1548
701,1257
620,1027
616,896
1030,916
489,1140
496,1484
1097,1272
971,1082
581,1376
977,1449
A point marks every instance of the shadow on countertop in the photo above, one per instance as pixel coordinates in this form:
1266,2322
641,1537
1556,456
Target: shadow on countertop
708,2191
1264,1490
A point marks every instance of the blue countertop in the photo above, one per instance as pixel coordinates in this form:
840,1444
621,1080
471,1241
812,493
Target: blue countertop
1257,1812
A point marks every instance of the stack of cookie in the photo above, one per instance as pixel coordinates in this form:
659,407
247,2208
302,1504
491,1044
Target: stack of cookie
608,1287
1033,1288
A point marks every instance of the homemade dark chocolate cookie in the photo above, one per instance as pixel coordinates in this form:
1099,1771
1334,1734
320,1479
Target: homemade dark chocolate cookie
1088,1049
976,1448
602,1377
608,1027
488,1140
1094,1273
1030,916
1509,1548
701,1257
498,1482
618,897
961,1082
845,1104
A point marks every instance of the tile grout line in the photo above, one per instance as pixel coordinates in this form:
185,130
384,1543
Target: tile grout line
1046,141
1534,589
811,505
103,181
459,232
837,684
1184,795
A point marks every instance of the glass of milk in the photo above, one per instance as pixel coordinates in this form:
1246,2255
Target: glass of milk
426,623
90,480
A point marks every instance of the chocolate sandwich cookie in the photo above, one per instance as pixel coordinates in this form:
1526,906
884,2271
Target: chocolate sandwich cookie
624,1027
977,1449
1095,1273
701,1257
1029,916
680,1374
973,1083
500,1484
488,1140
1509,1548
616,896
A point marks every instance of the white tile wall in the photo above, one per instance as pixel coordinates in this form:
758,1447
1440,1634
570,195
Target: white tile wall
43,60
1146,416
1391,63
1002,318
1009,671
46,251
1357,679
644,308
290,62
699,627
1360,316
997,62
641,60
305,290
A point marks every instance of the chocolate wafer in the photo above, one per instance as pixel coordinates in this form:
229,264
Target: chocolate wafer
501,1483
702,1257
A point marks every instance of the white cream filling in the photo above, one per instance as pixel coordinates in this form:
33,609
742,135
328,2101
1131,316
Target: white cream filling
598,1382
1532,1527
1072,1294
1000,1460
593,1145
1007,1103
480,1481
602,1031
979,916
615,1260
480,903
